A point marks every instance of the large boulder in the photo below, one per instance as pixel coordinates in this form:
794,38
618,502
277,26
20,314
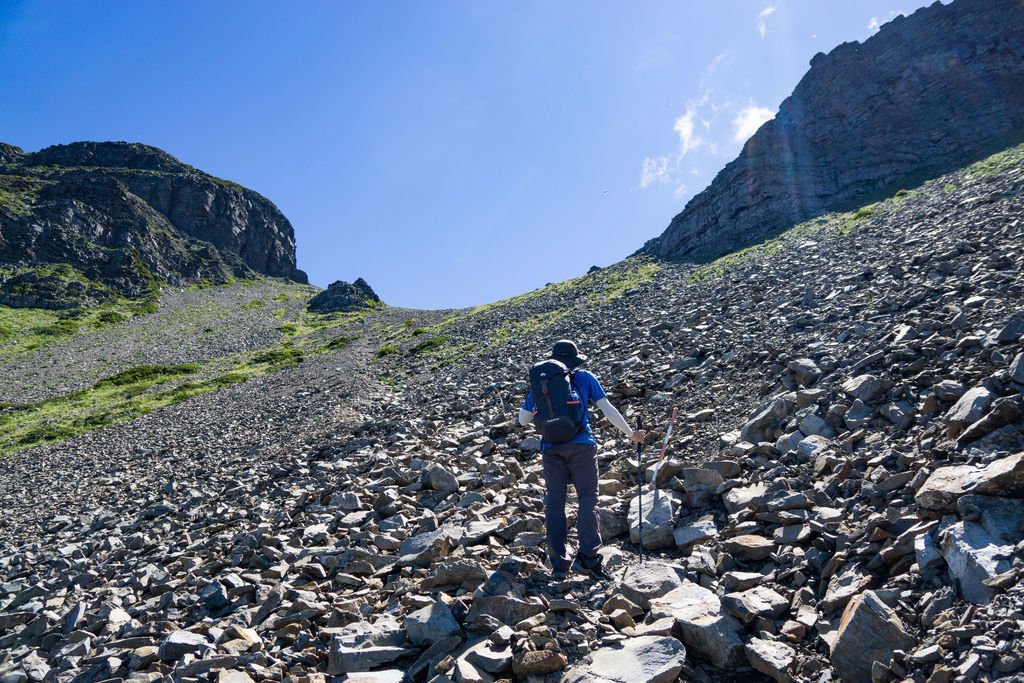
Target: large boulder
342,297
709,633
869,632
647,659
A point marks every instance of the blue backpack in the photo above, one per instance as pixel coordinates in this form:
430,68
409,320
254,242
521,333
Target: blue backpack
559,414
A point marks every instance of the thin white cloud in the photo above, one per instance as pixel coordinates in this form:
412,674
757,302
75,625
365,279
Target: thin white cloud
876,23
685,129
762,24
691,130
655,170
749,120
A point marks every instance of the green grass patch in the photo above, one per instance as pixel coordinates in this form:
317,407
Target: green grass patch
339,342
864,212
278,357
431,344
386,350
995,163
58,328
104,318
147,374
188,389
255,303
121,397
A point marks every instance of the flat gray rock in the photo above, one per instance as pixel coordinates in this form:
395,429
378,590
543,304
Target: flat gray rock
648,659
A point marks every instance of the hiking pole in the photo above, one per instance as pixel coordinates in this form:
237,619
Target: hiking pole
640,482
664,443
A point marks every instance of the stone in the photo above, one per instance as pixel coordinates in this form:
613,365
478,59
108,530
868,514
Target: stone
866,388
342,297
709,633
945,485
233,676
869,631
506,609
642,583
814,446
430,624
749,547
812,425
1002,477
700,531
214,596
180,643
763,424
1017,369
843,587
1004,411
772,658
927,553
805,371
1012,330
743,497
343,659
490,658
968,410
538,662
1002,518
759,601
658,514
422,549
948,390
648,659
973,557
441,479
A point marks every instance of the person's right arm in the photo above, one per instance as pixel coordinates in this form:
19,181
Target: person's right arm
615,417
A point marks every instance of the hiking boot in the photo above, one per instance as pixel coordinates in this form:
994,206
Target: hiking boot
558,575
594,571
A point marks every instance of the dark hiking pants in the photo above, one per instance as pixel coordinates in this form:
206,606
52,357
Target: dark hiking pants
573,463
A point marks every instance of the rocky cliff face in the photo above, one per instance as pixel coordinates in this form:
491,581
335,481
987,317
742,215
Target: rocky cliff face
122,213
923,96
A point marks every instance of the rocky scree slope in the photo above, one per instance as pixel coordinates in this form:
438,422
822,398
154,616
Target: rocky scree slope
190,325
842,502
925,95
124,214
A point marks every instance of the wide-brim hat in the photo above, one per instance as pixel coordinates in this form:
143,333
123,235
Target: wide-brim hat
565,351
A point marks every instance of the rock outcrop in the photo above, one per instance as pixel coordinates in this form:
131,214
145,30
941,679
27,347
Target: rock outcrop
342,297
123,214
925,95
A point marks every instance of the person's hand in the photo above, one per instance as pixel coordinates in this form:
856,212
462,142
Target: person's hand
639,435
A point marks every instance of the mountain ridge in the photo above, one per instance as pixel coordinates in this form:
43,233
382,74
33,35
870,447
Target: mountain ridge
928,93
126,214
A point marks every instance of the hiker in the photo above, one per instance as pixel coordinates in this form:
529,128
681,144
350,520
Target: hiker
559,395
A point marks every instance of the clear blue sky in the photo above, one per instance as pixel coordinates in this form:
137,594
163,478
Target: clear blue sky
451,153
